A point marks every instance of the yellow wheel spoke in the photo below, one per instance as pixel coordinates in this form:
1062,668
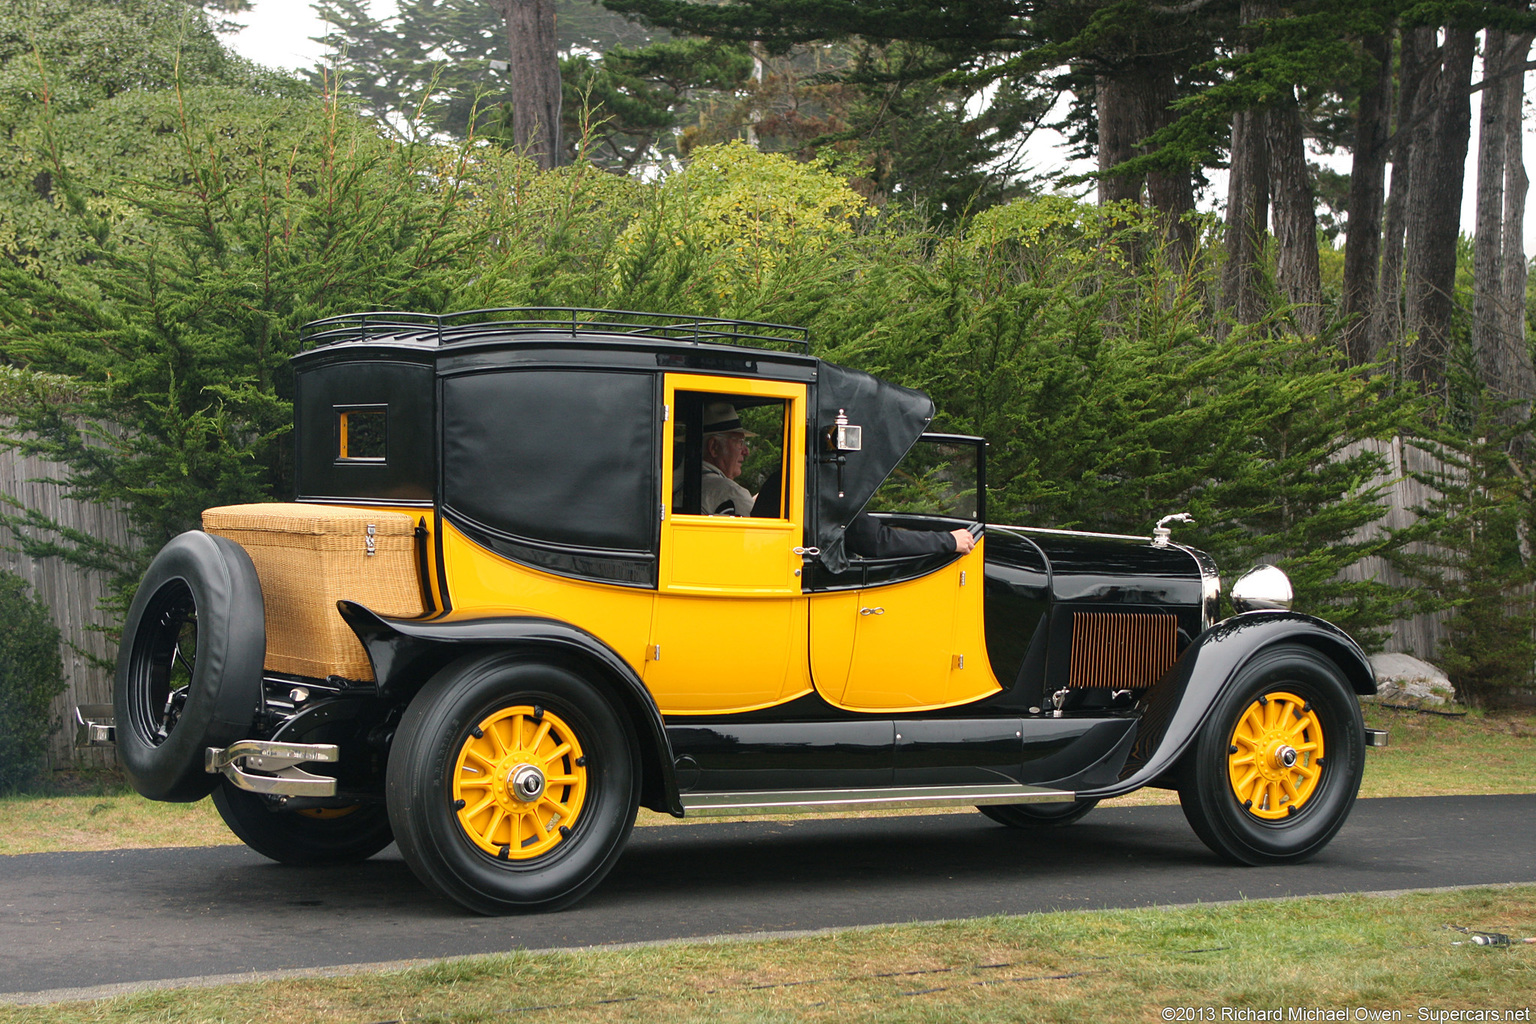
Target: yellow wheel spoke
493,818
498,743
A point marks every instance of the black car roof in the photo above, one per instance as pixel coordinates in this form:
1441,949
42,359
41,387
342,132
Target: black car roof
893,417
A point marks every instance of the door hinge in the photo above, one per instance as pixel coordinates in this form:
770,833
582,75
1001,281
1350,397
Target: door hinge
666,412
655,652
663,511
962,577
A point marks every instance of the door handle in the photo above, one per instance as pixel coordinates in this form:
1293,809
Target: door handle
871,611
807,552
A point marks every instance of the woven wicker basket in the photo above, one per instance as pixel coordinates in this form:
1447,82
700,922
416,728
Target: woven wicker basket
310,556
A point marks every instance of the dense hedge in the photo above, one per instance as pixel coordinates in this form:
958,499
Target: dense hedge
31,675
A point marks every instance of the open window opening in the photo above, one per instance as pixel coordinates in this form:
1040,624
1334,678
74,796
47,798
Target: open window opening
361,434
943,475
729,455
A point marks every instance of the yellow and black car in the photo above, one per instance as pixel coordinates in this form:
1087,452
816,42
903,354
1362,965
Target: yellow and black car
520,594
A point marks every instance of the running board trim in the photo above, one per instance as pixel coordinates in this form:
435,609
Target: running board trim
812,801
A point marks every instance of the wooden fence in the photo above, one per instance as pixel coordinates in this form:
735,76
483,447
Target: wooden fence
72,593
1419,635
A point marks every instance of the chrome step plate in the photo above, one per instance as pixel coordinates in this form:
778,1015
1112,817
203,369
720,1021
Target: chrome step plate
811,801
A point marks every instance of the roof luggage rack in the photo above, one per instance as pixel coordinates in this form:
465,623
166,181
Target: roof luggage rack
480,324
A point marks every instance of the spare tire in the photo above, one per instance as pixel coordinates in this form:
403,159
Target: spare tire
189,669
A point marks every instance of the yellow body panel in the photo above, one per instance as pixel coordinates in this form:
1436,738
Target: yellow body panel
482,583
909,646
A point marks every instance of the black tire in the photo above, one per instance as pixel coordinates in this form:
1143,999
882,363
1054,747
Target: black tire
189,668
455,727
1299,808
341,835
1039,815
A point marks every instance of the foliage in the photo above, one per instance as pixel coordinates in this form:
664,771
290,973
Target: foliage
1481,564
1107,401
752,221
31,675
435,69
179,308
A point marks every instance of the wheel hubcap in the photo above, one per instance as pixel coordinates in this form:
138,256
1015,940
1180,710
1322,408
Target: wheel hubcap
1275,756
520,783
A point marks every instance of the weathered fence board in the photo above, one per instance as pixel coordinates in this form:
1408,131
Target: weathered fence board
72,593
1419,635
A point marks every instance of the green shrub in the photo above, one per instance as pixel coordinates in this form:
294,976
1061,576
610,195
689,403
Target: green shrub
31,675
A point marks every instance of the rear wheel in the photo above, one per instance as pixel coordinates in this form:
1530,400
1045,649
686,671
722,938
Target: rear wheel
1275,769
512,784
320,835
1039,815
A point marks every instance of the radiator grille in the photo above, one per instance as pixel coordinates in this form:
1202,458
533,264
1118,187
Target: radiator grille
1121,650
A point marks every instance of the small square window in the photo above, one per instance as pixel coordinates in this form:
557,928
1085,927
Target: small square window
360,434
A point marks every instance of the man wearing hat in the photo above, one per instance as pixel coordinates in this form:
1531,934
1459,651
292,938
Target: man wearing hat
725,449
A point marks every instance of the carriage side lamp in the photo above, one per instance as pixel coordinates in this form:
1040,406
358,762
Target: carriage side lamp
841,437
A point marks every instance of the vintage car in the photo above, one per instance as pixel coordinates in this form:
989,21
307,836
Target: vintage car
497,619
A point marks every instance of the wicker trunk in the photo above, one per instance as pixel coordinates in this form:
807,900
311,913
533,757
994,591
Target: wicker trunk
308,557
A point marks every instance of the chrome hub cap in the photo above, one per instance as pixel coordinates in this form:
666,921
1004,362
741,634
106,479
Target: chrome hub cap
525,783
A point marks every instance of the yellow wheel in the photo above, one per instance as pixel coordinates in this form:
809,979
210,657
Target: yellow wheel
512,783
1274,770
1275,756
520,782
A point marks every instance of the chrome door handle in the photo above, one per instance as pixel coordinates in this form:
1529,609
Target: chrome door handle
871,611
807,552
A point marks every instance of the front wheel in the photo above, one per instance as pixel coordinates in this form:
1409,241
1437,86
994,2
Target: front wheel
512,784
1275,769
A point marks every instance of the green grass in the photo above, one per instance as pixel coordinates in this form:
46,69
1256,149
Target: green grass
1349,952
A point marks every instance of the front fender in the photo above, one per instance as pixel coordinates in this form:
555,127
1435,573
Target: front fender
1179,704
405,653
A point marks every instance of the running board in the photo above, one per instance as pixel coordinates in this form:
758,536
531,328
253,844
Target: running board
885,798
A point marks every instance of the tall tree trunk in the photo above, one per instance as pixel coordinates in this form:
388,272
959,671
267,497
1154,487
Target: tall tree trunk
535,74
1296,265
1171,192
1499,348
1248,191
1367,192
1434,211
1387,324
1118,109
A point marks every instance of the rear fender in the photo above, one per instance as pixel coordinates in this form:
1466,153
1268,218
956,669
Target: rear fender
406,652
1179,704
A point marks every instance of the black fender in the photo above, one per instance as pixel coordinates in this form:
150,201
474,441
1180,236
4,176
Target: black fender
406,652
1181,701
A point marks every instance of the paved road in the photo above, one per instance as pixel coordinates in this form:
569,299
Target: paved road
89,919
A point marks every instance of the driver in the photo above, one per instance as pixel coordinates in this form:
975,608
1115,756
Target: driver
725,449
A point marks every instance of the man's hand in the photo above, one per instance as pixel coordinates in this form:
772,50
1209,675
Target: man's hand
964,542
